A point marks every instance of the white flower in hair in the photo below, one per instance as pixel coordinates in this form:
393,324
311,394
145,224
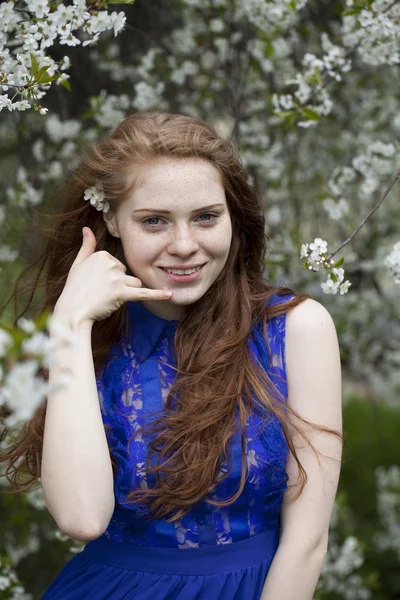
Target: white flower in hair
95,195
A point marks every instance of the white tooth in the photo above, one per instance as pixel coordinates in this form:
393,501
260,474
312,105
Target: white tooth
182,271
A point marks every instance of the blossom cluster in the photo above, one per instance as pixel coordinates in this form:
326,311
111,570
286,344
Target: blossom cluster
361,177
56,152
373,32
23,389
315,259
338,574
392,262
311,99
27,34
95,195
388,506
273,15
10,585
374,28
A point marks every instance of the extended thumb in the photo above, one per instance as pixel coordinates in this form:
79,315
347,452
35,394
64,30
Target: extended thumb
87,234
88,245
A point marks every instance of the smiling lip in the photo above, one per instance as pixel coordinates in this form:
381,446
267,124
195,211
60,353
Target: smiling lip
183,266
183,278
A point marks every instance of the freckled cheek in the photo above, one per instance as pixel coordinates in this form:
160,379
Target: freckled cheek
144,248
223,239
144,253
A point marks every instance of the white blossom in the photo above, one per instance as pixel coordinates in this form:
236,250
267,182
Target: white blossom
8,254
59,130
5,102
187,68
26,325
392,262
147,96
217,25
118,21
304,251
22,391
26,36
273,14
388,506
379,147
95,195
320,245
40,345
6,342
336,209
375,31
274,216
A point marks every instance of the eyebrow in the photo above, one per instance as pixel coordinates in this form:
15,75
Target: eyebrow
168,212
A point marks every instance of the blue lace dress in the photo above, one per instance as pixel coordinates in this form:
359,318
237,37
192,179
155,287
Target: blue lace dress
212,553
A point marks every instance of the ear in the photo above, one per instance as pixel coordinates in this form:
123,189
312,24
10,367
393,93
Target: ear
111,223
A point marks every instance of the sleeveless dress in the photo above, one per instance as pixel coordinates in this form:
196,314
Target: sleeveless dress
212,553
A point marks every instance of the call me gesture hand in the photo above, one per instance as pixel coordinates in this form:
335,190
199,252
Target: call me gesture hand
97,285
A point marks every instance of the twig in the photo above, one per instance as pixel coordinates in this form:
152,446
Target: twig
14,85
386,193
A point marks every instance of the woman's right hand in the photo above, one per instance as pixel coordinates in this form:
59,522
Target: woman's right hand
97,285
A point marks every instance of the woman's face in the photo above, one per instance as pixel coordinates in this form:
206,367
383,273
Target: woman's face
178,216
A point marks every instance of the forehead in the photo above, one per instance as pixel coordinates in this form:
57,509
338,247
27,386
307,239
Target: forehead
182,179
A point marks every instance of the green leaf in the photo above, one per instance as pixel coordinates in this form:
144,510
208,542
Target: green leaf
315,77
352,11
41,321
42,71
339,262
283,114
269,49
65,83
334,278
34,65
46,78
89,112
310,114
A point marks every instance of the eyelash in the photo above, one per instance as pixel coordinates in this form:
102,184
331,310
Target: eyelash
202,215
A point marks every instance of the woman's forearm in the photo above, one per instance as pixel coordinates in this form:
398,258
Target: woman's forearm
294,573
76,470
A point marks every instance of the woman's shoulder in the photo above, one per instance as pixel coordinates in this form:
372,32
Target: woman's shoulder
308,313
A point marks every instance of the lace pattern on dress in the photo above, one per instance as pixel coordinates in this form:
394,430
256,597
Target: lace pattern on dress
122,399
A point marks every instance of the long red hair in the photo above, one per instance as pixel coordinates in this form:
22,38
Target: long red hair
215,372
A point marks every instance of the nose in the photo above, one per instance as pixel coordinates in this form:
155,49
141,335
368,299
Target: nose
183,242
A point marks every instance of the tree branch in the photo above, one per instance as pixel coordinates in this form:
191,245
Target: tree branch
386,193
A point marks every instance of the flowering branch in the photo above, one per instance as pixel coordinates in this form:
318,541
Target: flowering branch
311,100
386,193
49,23
315,255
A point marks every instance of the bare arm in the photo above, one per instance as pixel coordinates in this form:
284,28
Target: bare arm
77,475
76,471
315,392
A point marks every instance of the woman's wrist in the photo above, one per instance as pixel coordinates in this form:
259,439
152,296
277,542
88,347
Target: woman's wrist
64,319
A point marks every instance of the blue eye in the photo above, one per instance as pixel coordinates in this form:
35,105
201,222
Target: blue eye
146,220
213,217
209,215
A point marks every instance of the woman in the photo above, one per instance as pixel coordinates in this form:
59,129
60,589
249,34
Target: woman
197,446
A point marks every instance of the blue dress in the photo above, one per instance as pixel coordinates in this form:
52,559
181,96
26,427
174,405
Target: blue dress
212,553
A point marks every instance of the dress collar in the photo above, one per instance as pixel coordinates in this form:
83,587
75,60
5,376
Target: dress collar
146,329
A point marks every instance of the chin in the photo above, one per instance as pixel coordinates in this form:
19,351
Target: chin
185,299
